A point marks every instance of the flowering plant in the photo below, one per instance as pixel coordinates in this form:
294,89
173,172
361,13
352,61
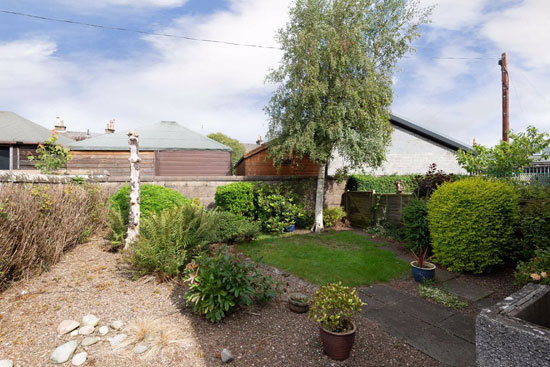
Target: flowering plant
536,270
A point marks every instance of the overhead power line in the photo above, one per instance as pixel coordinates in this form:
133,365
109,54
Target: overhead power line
159,34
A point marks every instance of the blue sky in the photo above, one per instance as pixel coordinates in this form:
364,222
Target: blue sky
88,76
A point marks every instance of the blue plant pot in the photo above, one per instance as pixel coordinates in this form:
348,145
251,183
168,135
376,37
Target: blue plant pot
421,274
291,228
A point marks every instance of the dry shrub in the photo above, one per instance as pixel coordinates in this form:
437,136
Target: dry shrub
39,222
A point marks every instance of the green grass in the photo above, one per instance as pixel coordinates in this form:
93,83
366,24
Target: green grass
328,257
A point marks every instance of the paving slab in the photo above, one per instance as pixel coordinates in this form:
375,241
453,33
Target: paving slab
442,275
467,290
463,326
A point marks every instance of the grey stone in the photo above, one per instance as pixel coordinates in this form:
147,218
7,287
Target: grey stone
66,326
6,363
117,325
117,339
74,333
140,348
64,352
226,355
79,359
90,320
466,290
104,330
463,326
86,330
89,341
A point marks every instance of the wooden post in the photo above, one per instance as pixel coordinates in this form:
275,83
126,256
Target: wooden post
133,216
503,62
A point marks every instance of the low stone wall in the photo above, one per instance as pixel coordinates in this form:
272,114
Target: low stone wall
201,187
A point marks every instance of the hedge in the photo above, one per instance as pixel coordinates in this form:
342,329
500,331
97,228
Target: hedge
472,224
236,198
380,184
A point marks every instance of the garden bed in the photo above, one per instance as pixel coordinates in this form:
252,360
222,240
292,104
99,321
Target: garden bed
90,280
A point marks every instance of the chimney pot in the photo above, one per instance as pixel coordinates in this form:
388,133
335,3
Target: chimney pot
110,127
60,125
259,141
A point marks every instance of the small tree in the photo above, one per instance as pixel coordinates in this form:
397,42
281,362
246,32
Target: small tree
236,146
505,159
335,81
51,156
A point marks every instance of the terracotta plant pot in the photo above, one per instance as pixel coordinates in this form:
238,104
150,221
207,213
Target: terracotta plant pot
338,345
298,302
425,273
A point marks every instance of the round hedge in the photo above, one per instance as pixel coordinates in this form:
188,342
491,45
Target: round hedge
153,199
472,223
237,198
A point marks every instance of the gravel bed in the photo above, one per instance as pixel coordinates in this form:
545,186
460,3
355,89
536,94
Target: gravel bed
91,280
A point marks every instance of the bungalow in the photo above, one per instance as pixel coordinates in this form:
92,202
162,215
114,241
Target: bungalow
166,149
412,150
19,138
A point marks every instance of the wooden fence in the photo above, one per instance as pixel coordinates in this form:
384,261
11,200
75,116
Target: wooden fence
367,208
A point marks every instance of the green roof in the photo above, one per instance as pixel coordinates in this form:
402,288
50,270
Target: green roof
14,129
164,135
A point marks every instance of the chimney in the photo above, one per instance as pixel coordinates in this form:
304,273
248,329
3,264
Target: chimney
110,127
259,141
60,125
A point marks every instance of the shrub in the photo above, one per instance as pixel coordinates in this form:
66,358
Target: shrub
427,184
334,305
472,222
535,270
220,284
331,216
168,240
50,156
305,218
534,224
275,211
447,299
417,232
39,222
237,198
380,184
232,228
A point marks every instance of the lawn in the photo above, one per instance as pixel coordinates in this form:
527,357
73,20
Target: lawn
328,257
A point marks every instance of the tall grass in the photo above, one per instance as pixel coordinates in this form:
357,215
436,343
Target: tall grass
39,222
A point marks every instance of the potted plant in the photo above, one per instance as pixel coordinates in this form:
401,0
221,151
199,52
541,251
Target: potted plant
417,233
333,307
298,302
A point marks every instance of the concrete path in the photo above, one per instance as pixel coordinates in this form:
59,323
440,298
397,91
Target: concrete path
442,333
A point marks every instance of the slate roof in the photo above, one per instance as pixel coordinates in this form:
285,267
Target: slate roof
164,135
14,129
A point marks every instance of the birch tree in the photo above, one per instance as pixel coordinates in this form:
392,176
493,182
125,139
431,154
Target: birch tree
134,214
334,82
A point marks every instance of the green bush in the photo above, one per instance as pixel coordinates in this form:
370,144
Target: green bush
536,270
534,224
273,209
380,184
237,198
472,222
168,240
232,228
417,232
331,216
220,284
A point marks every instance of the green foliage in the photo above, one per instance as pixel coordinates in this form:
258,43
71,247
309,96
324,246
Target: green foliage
505,159
220,284
332,216
305,218
273,209
417,232
237,198
535,270
472,222
168,240
444,297
237,148
534,223
51,156
231,228
380,184
334,305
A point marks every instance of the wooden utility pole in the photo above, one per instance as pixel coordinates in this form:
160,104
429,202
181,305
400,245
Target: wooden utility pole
503,62
134,214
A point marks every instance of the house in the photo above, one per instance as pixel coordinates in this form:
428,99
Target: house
412,150
19,138
166,149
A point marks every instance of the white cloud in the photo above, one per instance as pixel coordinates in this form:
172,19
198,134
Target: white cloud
453,14
88,4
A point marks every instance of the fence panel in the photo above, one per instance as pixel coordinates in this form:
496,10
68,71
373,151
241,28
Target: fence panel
367,208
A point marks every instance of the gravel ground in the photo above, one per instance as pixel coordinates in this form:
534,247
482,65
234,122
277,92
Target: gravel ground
91,280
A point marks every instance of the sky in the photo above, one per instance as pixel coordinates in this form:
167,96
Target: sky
88,76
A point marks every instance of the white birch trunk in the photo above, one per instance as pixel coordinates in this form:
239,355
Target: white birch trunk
319,200
133,216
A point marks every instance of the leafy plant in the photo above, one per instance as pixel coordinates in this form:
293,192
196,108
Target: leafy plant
334,305
331,216
232,228
472,223
275,211
51,156
237,198
380,184
535,270
220,284
427,184
417,232
168,240
444,297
